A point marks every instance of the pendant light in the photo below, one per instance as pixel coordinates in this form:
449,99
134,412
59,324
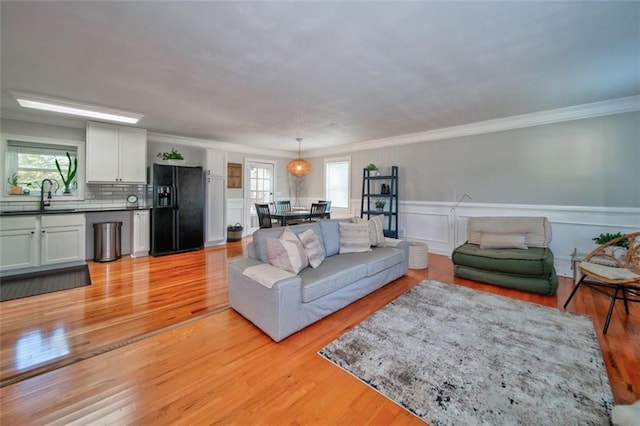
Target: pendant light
299,167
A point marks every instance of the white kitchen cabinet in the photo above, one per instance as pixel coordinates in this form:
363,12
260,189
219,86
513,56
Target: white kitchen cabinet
62,238
116,154
216,197
36,241
141,230
18,242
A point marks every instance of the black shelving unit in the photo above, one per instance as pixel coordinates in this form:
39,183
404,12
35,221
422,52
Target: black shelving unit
372,191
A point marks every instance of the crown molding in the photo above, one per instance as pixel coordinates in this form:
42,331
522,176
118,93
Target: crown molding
223,146
75,123
577,112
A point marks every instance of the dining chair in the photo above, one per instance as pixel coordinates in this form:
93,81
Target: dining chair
284,206
615,269
317,209
264,216
328,209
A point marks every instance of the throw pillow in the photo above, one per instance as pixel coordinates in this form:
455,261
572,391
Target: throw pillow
287,252
376,229
354,237
502,241
312,246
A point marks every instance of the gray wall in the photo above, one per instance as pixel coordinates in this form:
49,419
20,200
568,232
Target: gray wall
588,162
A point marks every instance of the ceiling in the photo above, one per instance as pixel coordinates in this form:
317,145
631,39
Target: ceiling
333,73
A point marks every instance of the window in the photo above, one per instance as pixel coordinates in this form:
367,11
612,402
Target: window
337,182
31,160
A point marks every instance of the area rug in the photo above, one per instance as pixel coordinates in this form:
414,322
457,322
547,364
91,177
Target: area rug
452,355
31,284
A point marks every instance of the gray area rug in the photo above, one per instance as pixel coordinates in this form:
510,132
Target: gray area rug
31,284
452,355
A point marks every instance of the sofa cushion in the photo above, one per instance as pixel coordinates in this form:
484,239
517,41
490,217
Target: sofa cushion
287,252
261,235
537,230
490,240
534,261
379,259
312,247
331,236
354,238
336,272
376,229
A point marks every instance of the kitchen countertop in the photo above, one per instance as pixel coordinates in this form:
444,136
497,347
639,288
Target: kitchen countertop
69,211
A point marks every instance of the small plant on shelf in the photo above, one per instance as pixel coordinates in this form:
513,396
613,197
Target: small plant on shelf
380,205
172,155
372,167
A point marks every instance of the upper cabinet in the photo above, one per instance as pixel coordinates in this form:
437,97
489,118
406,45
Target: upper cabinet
116,154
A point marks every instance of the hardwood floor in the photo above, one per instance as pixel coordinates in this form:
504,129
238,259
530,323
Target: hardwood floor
208,364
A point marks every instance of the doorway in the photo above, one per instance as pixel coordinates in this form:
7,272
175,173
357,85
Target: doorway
260,176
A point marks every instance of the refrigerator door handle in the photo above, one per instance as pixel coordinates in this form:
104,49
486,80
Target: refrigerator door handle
176,197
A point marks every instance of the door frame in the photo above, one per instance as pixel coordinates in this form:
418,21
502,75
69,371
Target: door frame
247,188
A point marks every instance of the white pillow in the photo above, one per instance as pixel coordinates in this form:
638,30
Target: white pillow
354,237
312,247
287,252
376,229
502,241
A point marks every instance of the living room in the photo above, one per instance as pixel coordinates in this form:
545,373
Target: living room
524,125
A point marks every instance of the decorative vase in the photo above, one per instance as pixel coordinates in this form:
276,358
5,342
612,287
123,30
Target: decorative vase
379,209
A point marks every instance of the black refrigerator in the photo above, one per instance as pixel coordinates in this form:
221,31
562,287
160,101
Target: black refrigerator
177,218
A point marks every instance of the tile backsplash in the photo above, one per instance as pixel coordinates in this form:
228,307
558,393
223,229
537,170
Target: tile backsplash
95,196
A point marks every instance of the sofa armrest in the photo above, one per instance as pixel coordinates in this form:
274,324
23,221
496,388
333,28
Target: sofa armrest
274,310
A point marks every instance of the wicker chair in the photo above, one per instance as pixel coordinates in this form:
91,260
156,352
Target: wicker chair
616,268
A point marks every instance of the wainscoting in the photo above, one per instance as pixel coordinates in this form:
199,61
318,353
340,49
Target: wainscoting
443,229
436,224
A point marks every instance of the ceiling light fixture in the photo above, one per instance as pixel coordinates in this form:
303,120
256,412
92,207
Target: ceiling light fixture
45,103
299,167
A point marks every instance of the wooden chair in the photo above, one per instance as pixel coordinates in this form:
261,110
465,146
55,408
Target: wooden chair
615,267
264,215
317,209
328,209
284,206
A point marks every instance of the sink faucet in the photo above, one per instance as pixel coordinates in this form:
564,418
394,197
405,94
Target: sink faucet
44,203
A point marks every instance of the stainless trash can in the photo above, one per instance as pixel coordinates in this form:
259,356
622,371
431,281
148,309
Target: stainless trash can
107,241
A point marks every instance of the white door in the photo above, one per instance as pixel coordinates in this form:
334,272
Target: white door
133,155
260,176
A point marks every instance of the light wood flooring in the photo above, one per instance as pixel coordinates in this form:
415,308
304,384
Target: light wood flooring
66,357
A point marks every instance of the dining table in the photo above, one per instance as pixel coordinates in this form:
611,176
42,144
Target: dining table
298,214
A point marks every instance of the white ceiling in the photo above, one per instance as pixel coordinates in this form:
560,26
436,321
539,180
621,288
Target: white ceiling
264,73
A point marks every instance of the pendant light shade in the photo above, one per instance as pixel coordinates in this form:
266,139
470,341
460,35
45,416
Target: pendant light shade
299,167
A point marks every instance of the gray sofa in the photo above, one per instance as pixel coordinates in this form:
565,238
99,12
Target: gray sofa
295,301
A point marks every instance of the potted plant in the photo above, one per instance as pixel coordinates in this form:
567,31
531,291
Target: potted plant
67,179
605,237
171,157
373,169
380,205
14,189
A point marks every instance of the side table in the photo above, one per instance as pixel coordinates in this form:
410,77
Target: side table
418,255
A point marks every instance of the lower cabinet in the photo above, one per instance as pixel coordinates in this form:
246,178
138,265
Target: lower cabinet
141,233
34,241
19,243
62,239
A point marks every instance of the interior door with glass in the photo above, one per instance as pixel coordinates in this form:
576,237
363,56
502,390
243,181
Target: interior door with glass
260,189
